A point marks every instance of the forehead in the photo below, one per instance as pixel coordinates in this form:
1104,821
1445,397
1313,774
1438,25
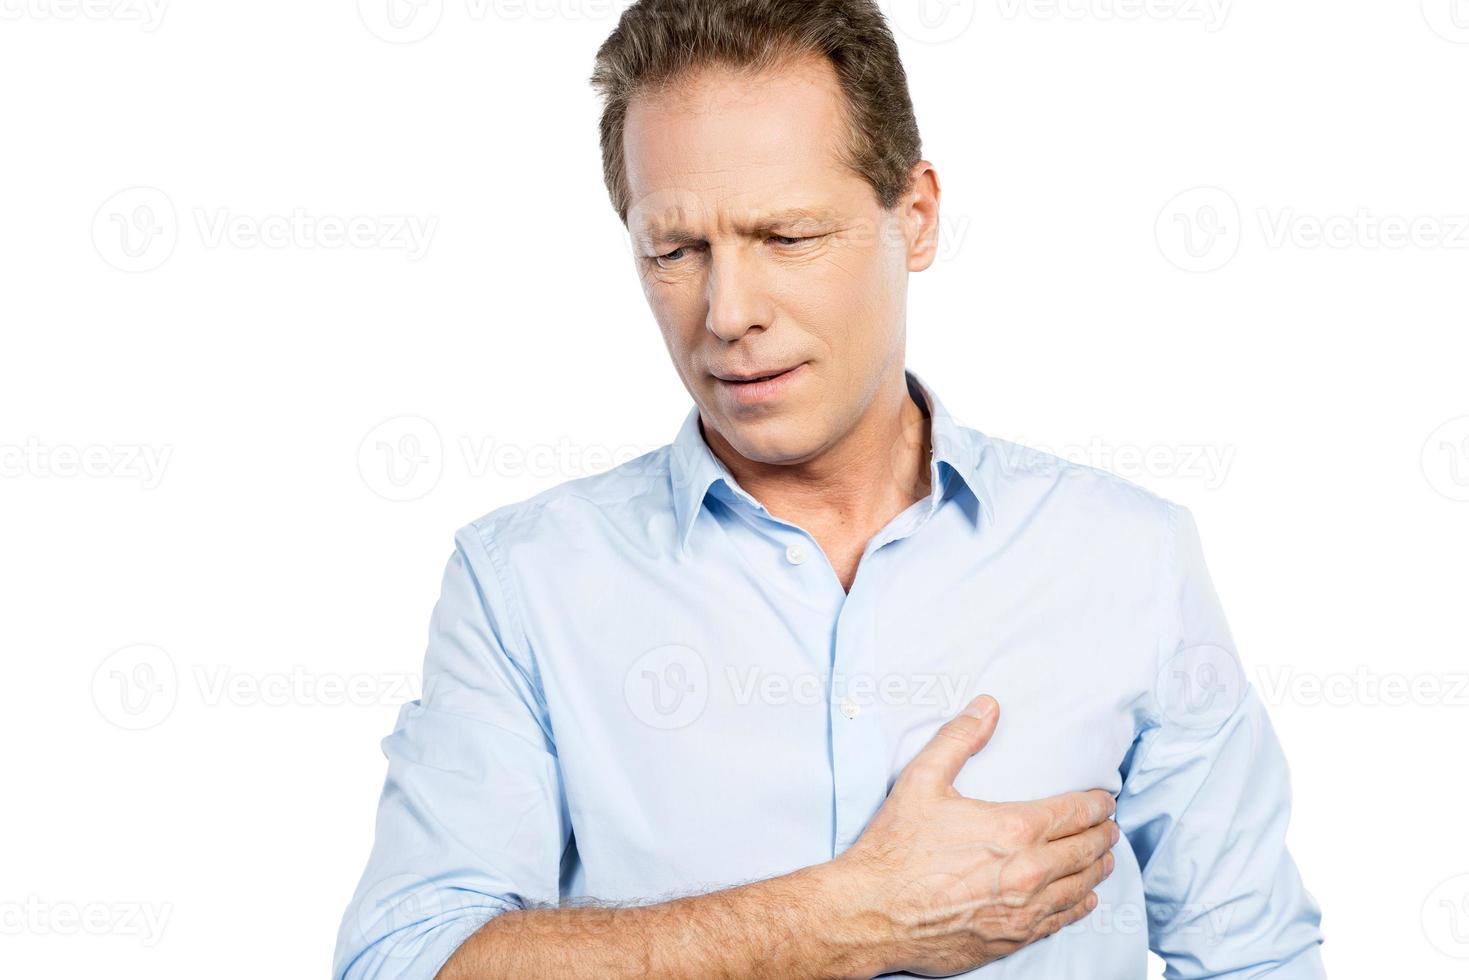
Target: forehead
729,147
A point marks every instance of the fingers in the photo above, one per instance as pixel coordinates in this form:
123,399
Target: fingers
1052,924
1078,852
1072,889
1071,813
938,763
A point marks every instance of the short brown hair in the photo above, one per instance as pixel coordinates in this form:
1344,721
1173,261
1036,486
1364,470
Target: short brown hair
656,42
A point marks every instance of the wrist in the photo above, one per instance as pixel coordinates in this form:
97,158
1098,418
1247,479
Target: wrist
855,938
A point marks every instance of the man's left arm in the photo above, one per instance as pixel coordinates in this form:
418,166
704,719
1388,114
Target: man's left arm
1205,799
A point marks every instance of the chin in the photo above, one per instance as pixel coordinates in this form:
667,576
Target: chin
775,441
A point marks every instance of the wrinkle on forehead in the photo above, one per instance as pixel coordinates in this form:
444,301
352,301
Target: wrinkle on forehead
726,139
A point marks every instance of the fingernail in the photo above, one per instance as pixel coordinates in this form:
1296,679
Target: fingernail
981,707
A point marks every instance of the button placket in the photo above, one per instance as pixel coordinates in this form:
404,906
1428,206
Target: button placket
860,753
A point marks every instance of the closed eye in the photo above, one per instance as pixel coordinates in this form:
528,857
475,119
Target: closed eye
671,258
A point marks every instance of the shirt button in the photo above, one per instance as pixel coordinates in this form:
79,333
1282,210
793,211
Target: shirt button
850,708
795,554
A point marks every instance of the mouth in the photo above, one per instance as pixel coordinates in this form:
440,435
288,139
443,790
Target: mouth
745,390
744,379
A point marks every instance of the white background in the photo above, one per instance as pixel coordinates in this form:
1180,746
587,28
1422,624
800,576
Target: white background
222,776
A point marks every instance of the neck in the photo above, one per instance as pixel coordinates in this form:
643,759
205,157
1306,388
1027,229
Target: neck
877,469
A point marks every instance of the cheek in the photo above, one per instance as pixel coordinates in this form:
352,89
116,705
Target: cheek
846,293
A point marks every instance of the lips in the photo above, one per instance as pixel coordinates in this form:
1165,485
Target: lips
753,376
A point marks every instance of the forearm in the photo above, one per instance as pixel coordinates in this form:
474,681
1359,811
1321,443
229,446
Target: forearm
797,925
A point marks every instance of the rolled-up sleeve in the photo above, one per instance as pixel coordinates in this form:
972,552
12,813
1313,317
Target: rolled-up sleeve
472,820
1205,799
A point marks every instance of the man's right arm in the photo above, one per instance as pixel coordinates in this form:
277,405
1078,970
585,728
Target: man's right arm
894,901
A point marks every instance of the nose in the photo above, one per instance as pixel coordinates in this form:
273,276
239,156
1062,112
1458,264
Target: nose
738,301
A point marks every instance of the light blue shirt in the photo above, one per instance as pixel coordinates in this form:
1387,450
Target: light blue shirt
641,684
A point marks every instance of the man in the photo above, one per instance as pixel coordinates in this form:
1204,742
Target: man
733,709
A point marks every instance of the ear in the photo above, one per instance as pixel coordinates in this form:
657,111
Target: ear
920,216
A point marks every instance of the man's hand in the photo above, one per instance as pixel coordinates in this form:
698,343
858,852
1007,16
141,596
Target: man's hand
937,884
954,883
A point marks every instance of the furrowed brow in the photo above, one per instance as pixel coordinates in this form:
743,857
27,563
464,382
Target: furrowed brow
789,216
760,224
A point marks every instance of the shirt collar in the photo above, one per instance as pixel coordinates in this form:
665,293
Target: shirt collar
696,471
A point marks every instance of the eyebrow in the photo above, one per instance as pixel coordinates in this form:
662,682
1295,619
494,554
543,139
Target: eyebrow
761,224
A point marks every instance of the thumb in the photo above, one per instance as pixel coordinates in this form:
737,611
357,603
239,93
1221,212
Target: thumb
938,763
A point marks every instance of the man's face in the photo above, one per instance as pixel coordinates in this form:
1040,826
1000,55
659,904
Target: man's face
760,252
